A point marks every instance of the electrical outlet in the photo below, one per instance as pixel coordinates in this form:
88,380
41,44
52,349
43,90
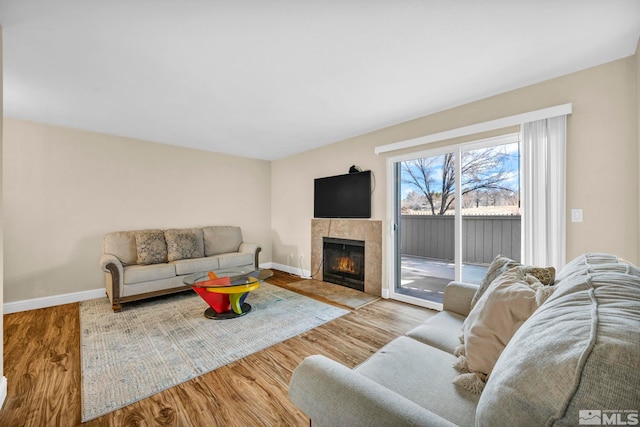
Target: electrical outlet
291,255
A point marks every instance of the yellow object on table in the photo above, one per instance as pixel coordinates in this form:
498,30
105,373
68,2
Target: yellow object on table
235,292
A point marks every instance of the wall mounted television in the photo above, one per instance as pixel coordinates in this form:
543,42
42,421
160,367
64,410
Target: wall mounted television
343,196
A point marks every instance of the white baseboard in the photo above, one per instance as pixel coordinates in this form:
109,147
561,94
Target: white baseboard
3,390
43,302
304,274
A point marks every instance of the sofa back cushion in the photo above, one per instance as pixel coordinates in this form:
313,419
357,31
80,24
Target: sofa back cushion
186,243
221,239
122,245
577,352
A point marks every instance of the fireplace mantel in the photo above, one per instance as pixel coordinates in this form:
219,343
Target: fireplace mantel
369,231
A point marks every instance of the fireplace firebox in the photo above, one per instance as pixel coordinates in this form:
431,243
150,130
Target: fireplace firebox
343,262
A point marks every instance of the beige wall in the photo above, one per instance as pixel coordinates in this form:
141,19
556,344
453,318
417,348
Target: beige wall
637,56
66,188
1,220
602,165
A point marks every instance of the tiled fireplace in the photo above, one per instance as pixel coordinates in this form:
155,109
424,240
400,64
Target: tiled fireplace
362,240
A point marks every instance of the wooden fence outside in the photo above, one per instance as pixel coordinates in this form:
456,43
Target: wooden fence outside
484,237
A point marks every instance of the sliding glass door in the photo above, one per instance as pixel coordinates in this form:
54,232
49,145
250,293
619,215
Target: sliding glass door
427,225
453,211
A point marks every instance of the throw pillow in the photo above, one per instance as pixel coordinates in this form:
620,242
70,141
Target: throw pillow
151,247
546,275
543,294
500,264
501,310
182,245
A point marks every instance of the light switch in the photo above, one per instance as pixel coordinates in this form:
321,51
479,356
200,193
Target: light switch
576,215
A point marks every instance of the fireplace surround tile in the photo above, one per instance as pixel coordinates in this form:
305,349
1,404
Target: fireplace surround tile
369,231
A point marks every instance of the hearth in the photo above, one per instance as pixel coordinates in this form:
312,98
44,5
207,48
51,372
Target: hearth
343,262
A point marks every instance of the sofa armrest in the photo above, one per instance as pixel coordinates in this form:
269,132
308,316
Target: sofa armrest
106,259
331,394
252,248
113,283
458,296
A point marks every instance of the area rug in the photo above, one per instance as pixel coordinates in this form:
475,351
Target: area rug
332,293
156,344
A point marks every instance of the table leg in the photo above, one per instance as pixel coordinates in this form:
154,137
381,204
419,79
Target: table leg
236,301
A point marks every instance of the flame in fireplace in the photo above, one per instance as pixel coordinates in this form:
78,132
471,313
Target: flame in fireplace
346,265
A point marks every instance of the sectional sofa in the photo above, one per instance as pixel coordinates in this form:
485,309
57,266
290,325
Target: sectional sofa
566,353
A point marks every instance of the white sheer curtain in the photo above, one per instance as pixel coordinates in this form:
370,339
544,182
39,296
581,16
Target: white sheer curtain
544,217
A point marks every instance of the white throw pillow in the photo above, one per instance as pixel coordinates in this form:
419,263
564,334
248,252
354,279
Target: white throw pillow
501,310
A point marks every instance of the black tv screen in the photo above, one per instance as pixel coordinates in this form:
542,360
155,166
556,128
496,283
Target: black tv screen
343,196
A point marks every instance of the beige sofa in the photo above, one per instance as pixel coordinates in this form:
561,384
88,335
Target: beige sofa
578,352
146,263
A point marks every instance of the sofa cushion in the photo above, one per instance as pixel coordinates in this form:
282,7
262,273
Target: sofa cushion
145,273
151,247
579,351
221,239
184,244
441,331
195,265
236,259
121,244
422,374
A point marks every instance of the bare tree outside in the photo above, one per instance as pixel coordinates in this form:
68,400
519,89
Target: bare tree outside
487,179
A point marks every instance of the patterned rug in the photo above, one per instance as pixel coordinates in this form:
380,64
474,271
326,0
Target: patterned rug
156,344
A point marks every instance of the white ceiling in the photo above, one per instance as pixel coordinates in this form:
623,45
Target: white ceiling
267,79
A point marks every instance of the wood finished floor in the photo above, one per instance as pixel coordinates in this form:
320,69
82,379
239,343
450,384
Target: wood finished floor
42,367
